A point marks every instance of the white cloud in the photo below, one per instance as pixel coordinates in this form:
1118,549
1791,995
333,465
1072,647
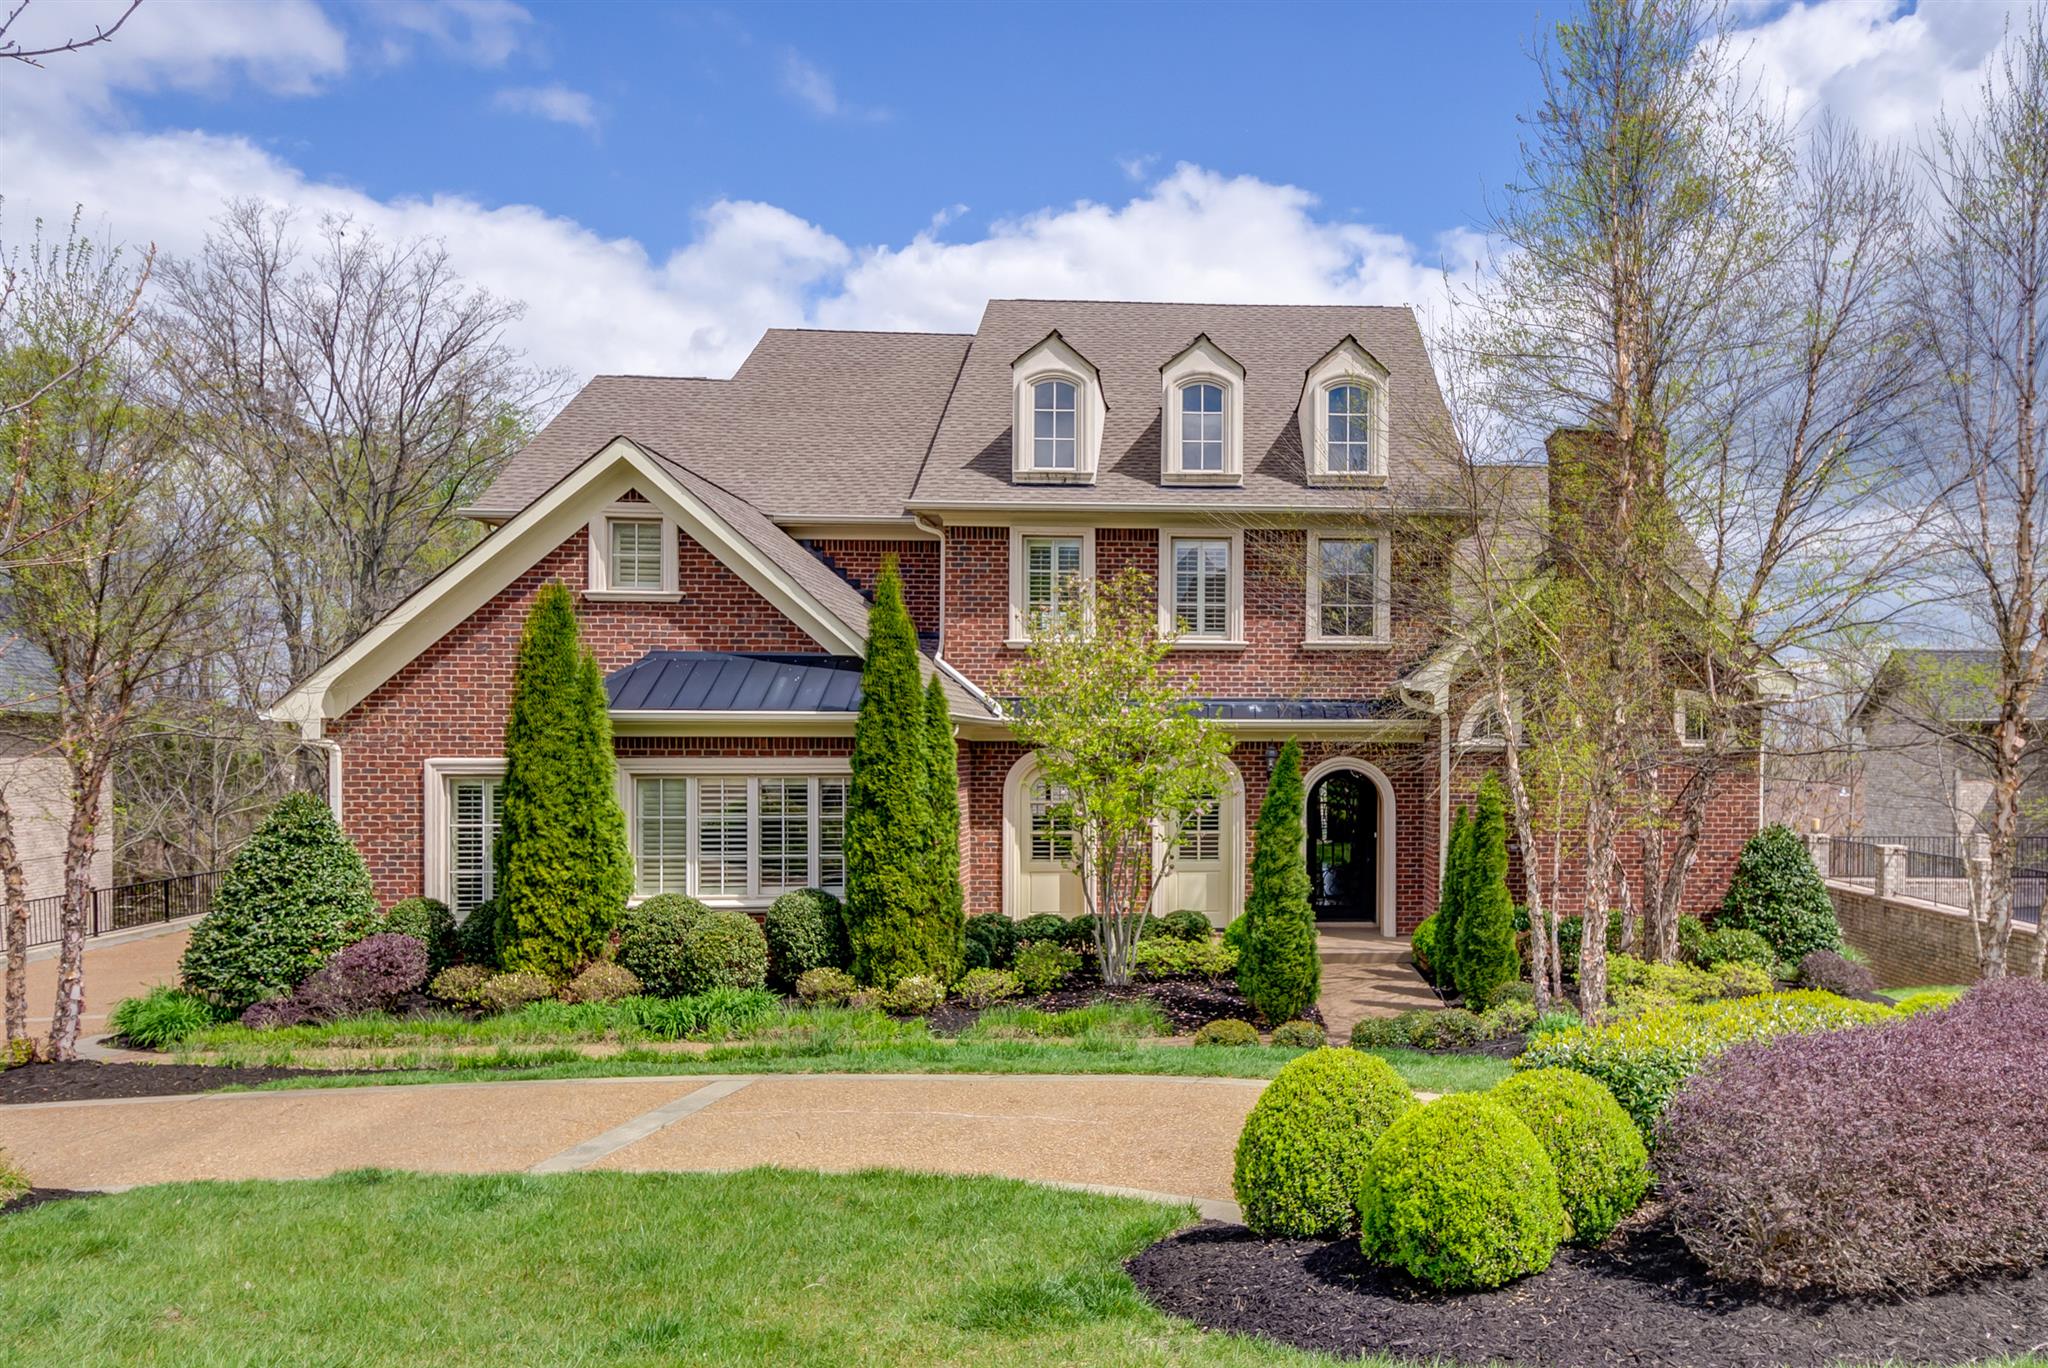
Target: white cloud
556,103
811,86
1885,69
486,33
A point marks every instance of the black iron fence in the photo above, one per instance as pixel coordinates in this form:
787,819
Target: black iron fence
130,905
1946,857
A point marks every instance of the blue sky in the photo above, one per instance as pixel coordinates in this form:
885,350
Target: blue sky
659,183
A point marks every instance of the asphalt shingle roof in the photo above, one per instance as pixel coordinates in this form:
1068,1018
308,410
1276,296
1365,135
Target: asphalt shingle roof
27,679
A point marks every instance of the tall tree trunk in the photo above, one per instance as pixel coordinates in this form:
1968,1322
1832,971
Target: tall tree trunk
16,893
81,834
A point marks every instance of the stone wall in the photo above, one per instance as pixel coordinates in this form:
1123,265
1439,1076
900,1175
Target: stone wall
1913,942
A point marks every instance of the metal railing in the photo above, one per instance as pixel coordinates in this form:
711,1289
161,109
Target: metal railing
129,905
1945,858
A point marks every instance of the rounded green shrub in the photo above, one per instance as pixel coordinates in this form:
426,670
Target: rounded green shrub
1303,1150
161,1017
826,987
510,992
1507,1019
1041,927
1078,933
428,921
476,938
1777,893
1228,1031
1692,933
461,984
1452,1028
602,981
991,941
983,988
1603,1169
1428,955
1300,1035
1042,966
1379,1033
295,893
724,949
913,995
650,944
1460,1195
1928,1000
1516,990
1183,925
805,931
1733,945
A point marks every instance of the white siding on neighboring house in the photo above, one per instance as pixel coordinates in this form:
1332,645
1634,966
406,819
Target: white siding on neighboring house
37,788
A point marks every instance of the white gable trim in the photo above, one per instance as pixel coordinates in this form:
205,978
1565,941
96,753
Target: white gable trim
515,547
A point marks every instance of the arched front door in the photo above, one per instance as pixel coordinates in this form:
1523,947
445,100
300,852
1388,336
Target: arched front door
1344,847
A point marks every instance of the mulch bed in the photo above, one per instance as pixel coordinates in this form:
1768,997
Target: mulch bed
36,1197
1640,1299
1189,1004
84,1080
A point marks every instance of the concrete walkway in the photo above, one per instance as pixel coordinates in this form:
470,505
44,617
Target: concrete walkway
1365,975
120,965
1166,1137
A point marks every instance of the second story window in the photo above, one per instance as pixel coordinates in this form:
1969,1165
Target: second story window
635,554
1201,586
1350,442
1051,565
1348,590
1201,427
1694,718
1052,425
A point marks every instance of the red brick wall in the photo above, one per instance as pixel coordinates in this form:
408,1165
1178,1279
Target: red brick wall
451,699
1274,662
859,563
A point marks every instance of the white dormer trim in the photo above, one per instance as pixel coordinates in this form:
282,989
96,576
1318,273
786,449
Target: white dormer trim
1201,362
1347,363
1054,359
1511,726
601,587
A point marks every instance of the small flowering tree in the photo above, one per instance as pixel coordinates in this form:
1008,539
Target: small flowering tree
1128,755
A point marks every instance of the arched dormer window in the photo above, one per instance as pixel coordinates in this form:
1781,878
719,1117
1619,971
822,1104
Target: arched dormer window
1343,417
1483,727
1056,435
1201,416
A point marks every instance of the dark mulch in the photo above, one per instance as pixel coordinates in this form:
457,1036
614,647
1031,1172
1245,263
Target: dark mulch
36,1197
1641,1299
83,1080
1189,1004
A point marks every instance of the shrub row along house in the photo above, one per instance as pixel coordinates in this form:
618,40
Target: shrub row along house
1281,471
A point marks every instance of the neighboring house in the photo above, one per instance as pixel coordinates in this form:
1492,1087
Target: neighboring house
36,782
1923,739
1271,466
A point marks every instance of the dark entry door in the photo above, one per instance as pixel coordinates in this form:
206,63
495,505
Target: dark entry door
1343,847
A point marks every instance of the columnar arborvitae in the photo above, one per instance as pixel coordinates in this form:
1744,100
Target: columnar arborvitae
944,933
1451,898
1486,956
1279,972
888,812
562,863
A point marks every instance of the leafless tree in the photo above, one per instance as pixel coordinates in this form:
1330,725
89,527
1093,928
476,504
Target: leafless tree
12,50
1983,287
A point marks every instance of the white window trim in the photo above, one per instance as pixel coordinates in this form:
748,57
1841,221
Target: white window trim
1682,702
1383,582
601,589
1469,725
435,875
1201,363
1346,364
752,769
1020,628
1054,358
1233,638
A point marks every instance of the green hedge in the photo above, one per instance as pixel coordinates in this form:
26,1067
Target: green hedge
651,942
1303,1149
1603,1168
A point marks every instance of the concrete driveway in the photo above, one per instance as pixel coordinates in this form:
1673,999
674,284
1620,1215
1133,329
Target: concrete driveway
1169,1137
125,964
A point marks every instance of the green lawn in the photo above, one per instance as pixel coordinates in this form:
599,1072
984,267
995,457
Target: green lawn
1099,1055
750,1268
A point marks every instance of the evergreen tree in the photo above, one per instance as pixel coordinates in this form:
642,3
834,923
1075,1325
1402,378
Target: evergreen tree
1280,972
1450,899
1486,955
563,868
944,934
888,810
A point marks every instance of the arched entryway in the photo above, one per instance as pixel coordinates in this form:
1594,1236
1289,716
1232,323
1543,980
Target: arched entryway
1350,825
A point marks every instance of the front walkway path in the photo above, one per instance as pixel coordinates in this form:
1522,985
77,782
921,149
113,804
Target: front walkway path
1365,975
123,964
1163,1136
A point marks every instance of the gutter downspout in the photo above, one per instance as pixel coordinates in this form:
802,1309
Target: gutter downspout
333,749
938,530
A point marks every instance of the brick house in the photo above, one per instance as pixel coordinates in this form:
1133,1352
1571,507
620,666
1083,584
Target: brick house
1278,469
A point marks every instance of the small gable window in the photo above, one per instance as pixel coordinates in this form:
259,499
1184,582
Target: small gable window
1350,431
1201,427
636,554
1694,719
1053,440
633,552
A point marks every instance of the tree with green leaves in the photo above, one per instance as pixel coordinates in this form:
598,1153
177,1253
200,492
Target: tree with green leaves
563,869
888,811
1280,972
1126,749
943,929
1486,956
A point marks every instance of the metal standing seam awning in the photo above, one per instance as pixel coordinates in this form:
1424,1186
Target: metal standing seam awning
724,681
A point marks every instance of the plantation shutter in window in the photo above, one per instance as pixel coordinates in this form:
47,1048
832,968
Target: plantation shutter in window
472,830
1051,564
636,554
1201,836
722,822
1201,586
832,833
662,812
785,834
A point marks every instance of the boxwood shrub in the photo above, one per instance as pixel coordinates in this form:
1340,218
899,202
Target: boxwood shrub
1603,1170
1833,973
1301,1155
1227,1031
1041,926
991,941
1733,945
1459,1194
295,893
650,942
602,981
476,938
1643,1059
1888,1161
806,929
1299,1035
1042,966
826,987
1184,925
724,949
1777,893
428,921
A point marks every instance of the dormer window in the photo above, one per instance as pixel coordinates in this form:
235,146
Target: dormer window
1343,417
1484,728
1053,441
1056,435
632,552
1201,416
